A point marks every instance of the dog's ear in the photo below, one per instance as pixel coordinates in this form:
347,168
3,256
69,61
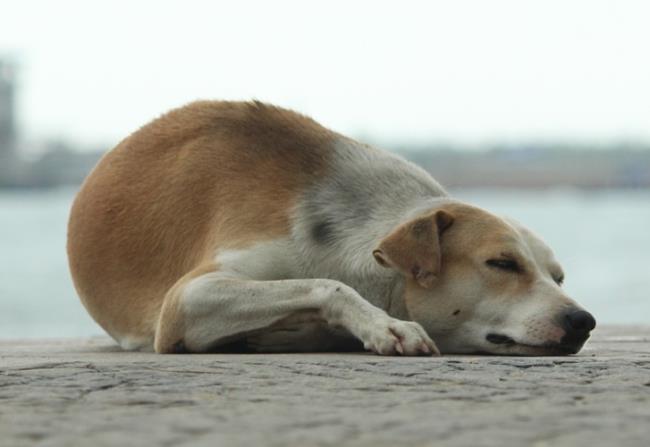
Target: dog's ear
413,248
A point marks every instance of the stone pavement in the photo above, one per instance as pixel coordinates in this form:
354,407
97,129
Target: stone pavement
85,392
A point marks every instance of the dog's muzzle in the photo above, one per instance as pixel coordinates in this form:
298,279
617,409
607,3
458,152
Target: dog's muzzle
577,324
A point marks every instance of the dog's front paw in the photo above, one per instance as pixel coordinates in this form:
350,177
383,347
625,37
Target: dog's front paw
395,337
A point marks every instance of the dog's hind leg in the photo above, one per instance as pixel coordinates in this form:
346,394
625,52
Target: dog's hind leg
207,308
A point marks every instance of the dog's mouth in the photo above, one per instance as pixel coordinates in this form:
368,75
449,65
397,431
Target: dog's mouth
500,339
513,347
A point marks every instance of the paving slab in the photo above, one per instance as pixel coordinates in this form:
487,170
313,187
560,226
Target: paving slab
87,392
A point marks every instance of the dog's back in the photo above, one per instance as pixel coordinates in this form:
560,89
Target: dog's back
208,175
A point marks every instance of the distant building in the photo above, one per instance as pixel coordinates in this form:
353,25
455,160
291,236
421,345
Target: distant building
9,165
7,111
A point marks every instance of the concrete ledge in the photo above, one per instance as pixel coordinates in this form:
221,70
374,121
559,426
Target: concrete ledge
87,392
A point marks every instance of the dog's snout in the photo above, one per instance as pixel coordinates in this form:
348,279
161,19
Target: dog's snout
577,325
579,321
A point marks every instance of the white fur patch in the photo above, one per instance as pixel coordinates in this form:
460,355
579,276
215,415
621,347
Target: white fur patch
265,261
136,344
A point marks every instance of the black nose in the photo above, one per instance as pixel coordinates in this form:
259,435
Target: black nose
579,321
577,324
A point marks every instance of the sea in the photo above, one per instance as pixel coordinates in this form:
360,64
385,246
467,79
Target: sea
601,237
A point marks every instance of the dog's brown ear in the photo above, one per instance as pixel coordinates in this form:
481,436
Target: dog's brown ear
413,248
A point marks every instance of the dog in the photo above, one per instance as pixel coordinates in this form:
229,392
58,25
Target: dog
224,224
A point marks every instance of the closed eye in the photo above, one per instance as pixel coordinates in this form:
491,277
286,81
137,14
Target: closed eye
504,264
559,280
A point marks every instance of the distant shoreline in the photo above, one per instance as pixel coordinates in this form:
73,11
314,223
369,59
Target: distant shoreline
517,167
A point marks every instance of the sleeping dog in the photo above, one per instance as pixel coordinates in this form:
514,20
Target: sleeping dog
242,223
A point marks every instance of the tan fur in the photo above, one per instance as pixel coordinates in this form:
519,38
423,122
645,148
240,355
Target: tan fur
157,206
414,247
489,237
171,323
475,236
467,290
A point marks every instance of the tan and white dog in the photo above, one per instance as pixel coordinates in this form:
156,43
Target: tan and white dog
226,223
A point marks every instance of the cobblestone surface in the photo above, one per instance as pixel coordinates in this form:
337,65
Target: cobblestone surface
87,392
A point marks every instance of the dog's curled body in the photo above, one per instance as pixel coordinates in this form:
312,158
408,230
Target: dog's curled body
227,221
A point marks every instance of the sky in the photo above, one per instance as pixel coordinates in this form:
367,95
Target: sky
467,72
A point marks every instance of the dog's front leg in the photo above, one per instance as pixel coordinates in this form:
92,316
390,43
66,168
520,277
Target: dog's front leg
205,309
302,333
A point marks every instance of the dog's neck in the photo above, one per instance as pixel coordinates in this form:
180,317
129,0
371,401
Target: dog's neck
397,304
350,259
344,218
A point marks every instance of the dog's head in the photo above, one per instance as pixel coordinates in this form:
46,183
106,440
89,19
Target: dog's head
480,283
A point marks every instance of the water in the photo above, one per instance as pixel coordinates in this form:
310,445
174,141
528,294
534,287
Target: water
601,238
37,298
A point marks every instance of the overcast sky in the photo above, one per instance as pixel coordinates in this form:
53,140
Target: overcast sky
462,71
